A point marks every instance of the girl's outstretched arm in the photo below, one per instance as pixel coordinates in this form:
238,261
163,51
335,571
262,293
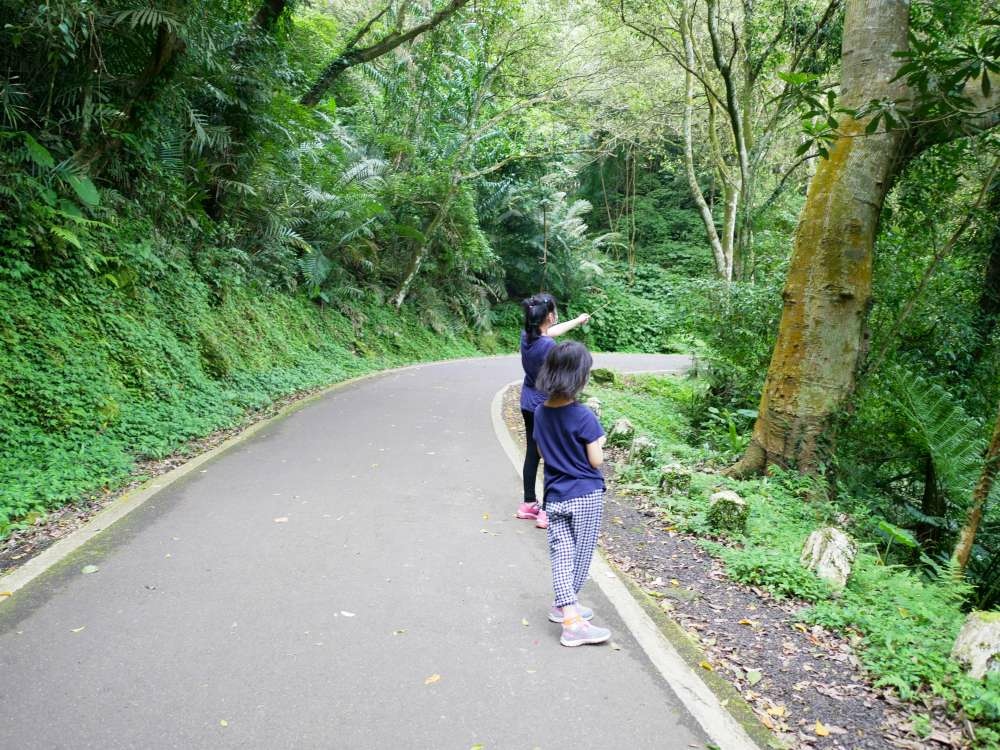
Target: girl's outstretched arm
560,328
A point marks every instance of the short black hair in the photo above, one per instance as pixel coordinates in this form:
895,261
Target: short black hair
566,370
536,308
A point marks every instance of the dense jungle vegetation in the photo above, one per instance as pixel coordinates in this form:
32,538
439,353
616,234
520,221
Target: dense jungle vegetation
207,204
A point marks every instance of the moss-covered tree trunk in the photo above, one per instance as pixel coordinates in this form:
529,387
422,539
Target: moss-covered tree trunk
828,289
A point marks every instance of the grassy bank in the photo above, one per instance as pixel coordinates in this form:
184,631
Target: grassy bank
95,374
902,622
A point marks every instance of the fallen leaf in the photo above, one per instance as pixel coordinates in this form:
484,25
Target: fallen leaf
477,746
800,626
745,621
486,516
524,622
5,595
821,730
674,582
706,665
77,630
282,519
223,723
399,632
432,679
618,520
753,676
88,569
346,614
615,646
778,711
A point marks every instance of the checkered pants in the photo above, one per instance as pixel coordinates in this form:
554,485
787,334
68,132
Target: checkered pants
573,528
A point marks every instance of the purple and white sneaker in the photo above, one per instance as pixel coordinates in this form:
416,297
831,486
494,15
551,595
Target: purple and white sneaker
581,633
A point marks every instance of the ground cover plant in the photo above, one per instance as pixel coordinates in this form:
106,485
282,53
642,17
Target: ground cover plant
901,622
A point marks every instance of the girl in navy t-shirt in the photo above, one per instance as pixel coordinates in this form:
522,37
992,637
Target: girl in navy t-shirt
540,327
571,442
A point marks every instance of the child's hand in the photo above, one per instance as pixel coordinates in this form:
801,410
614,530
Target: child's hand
584,318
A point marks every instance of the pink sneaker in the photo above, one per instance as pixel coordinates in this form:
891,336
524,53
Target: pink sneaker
542,520
528,511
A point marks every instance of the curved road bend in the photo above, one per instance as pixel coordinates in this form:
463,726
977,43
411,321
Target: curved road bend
214,622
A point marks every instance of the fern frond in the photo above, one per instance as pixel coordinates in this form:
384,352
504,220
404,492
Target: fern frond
363,172
315,267
937,421
148,17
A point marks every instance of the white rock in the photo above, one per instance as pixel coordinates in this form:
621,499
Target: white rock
594,404
621,432
830,553
675,477
643,450
978,644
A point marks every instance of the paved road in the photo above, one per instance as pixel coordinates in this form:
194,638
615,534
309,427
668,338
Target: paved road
214,623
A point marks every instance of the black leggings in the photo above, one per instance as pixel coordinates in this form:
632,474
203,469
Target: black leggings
531,457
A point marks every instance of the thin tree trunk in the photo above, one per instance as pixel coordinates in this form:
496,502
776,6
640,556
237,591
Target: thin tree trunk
731,211
828,290
967,537
421,251
705,212
932,505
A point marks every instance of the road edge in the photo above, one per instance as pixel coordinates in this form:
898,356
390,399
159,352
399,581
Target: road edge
121,506
677,671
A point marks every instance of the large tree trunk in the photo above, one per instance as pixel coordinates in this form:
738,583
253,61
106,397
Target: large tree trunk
963,549
828,290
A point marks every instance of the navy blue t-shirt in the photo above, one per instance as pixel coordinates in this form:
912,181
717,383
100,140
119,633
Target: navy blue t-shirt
562,434
532,359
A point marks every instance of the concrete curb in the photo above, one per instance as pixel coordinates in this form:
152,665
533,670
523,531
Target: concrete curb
678,671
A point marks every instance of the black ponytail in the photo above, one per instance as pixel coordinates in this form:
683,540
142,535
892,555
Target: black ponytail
536,309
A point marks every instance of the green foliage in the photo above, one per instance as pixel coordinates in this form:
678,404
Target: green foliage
942,428
908,624
93,378
778,571
903,621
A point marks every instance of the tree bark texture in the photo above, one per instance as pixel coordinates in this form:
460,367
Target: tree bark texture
828,290
966,538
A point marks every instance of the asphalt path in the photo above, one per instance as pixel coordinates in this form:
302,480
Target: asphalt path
352,576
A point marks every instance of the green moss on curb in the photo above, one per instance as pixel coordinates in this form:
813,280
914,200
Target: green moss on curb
692,654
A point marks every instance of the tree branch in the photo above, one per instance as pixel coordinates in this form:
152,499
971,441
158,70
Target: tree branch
352,56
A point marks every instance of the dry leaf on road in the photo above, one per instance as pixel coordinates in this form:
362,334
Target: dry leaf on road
432,679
